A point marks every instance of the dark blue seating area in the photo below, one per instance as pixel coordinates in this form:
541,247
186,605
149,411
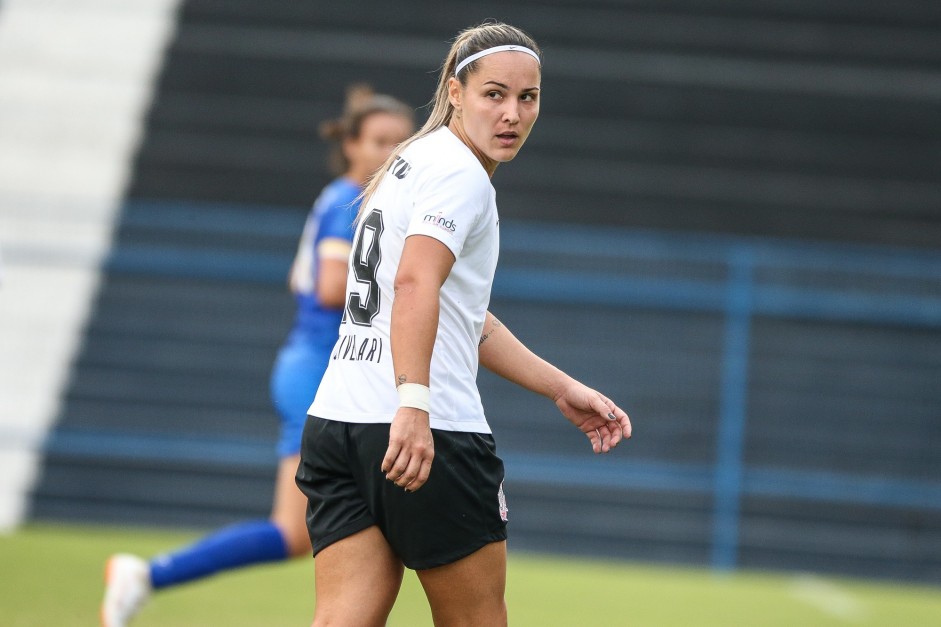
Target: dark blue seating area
728,219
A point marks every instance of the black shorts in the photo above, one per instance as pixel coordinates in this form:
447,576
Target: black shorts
460,508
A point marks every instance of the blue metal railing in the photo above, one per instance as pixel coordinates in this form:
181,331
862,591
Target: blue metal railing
739,293
739,298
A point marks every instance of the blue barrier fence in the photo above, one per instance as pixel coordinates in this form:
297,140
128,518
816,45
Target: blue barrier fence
739,297
745,278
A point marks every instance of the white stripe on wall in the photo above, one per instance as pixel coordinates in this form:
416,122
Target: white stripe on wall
76,80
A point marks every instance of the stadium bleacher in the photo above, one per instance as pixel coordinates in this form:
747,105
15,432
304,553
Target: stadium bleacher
728,218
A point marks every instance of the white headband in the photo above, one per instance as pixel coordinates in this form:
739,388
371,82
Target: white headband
483,53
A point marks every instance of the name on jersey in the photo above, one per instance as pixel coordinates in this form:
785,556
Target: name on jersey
352,348
399,168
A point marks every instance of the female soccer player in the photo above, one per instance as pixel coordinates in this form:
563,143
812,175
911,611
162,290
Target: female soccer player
397,459
370,128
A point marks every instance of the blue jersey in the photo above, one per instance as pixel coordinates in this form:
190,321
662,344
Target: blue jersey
303,357
331,217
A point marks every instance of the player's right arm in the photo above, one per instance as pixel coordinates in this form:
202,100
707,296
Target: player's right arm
424,266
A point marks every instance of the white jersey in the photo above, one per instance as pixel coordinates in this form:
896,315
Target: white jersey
438,188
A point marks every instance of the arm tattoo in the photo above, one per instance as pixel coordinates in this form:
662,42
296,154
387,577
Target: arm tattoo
483,338
402,379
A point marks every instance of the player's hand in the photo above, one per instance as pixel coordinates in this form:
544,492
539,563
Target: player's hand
604,423
411,449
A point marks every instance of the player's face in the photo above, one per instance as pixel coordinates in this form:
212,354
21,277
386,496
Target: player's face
498,106
379,134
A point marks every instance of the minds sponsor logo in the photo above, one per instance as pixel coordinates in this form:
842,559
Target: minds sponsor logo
442,223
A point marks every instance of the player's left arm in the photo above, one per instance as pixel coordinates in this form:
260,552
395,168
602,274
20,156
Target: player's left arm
594,414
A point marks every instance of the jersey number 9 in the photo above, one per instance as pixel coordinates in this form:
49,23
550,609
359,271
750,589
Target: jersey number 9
365,263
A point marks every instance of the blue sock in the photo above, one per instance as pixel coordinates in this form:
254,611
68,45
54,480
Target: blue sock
231,547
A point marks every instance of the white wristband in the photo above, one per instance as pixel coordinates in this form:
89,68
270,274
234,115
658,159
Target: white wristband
415,395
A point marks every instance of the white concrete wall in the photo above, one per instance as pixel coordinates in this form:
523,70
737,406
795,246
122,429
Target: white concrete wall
76,80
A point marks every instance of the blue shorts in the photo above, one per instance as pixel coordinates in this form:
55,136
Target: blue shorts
297,373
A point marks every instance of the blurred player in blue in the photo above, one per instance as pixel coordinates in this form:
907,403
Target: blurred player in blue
371,126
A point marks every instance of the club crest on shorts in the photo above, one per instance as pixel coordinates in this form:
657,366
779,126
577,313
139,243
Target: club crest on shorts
501,499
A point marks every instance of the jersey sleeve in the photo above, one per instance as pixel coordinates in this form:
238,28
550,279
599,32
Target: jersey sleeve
448,206
337,222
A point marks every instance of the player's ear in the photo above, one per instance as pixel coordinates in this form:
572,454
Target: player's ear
454,92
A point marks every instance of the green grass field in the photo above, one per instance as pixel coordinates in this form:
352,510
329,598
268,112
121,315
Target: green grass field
52,575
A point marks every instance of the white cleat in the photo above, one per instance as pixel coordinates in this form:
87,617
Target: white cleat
127,588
